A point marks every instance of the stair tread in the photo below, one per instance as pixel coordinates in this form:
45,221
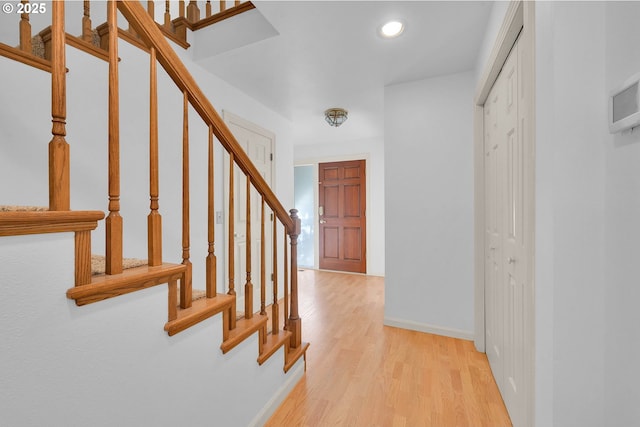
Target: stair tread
273,343
244,328
294,354
107,286
200,310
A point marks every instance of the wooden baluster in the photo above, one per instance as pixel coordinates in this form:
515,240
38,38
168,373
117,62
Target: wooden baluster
223,5
114,220
59,183
87,32
232,238
211,257
286,281
151,9
248,286
263,260
193,12
295,323
181,8
185,287
154,220
25,30
167,16
208,8
237,3
275,309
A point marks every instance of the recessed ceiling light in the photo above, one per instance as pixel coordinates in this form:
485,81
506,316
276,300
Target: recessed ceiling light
392,29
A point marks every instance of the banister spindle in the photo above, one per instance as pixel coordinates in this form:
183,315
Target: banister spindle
167,16
59,184
286,280
263,272
87,32
185,287
181,8
237,3
295,323
154,220
193,12
25,29
208,8
223,5
232,238
248,286
275,309
211,257
151,9
114,220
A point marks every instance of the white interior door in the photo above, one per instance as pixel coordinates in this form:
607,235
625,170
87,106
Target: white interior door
505,270
494,298
258,143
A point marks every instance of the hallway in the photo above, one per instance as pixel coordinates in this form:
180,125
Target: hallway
362,373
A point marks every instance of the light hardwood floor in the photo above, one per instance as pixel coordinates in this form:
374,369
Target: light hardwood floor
361,373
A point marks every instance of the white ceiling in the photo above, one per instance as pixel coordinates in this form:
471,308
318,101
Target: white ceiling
301,57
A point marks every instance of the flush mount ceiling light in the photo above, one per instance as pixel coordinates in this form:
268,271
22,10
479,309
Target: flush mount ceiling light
391,29
336,116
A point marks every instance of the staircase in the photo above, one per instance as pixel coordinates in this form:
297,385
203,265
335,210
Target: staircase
277,322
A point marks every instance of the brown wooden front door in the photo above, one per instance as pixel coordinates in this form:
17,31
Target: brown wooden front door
342,198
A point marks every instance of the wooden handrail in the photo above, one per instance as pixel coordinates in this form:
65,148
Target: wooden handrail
148,31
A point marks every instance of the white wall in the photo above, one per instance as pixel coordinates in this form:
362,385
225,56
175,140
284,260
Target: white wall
429,204
571,134
111,363
372,150
115,353
622,242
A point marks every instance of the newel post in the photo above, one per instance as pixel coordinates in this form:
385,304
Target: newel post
59,180
295,323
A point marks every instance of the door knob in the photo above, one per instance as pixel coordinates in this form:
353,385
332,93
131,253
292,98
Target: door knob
511,260
322,221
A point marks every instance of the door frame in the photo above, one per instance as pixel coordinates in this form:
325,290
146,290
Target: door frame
315,161
519,21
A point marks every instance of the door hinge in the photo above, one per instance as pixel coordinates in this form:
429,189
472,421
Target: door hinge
271,156
272,277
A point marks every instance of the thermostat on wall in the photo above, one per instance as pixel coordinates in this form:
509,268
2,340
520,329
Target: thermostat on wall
624,105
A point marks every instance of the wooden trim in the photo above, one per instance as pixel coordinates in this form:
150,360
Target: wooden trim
87,47
26,58
174,67
221,16
177,24
131,39
23,223
200,310
244,328
134,279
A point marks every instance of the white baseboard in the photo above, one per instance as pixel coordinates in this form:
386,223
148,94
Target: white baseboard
293,376
431,329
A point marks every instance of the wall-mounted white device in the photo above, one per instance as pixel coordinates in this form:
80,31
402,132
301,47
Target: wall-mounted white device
624,105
